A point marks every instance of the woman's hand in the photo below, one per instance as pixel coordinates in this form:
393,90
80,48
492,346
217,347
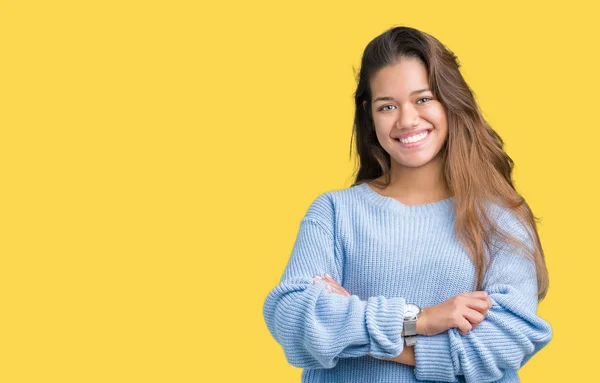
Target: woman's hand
464,312
332,285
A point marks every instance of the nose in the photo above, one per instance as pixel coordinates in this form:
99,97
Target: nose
409,117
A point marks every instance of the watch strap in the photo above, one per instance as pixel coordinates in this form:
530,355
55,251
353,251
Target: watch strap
411,340
410,327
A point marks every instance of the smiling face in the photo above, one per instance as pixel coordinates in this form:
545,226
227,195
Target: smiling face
410,123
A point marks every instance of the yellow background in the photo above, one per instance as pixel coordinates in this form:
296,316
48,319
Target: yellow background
157,156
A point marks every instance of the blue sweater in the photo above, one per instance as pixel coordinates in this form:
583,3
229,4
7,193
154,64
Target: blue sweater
387,254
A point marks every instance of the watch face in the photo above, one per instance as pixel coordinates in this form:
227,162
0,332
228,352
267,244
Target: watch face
411,310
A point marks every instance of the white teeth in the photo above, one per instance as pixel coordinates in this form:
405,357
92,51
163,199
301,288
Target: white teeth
416,138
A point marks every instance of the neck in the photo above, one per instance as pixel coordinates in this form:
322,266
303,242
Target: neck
418,185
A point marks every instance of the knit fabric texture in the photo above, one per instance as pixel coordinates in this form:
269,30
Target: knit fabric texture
387,254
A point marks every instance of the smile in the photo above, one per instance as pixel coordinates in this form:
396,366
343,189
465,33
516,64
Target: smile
415,140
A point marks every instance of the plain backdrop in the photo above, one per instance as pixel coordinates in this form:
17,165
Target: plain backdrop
156,158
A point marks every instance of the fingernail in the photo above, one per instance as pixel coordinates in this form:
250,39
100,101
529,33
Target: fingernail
328,276
317,277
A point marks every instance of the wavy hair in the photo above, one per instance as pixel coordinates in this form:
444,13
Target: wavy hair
476,168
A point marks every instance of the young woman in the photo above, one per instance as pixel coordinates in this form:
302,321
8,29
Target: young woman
429,267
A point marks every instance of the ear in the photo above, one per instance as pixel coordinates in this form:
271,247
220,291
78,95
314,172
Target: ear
364,105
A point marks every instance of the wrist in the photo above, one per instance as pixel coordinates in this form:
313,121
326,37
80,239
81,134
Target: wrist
409,330
421,322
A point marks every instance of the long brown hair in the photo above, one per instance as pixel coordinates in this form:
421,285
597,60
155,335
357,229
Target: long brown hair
476,168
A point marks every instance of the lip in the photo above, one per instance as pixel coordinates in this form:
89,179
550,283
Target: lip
411,133
413,144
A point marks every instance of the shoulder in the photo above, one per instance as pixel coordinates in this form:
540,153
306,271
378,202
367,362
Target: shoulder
328,204
507,219
510,223
322,207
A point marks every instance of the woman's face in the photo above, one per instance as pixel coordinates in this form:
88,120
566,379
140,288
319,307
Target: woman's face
410,124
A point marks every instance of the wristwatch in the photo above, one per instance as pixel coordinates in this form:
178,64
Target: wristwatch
411,313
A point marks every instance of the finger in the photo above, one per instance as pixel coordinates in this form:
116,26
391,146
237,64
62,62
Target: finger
329,277
464,327
339,288
484,296
317,279
331,281
335,284
478,304
477,294
474,317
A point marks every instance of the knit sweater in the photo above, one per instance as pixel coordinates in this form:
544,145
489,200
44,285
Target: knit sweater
387,254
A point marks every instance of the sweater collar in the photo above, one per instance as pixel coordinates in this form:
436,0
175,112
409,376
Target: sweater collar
445,206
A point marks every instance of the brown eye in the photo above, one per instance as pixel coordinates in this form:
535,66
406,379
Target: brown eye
385,106
423,98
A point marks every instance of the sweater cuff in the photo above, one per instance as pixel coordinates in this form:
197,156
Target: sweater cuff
434,359
385,318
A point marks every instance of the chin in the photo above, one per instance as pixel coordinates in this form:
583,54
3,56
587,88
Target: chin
415,163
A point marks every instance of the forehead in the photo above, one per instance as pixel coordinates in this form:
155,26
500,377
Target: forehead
406,75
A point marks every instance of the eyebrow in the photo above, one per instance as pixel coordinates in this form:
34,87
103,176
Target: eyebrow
388,98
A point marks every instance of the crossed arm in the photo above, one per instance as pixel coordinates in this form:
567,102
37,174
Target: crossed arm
465,312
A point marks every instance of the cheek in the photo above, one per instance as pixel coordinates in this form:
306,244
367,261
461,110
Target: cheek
438,118
383,121
437,114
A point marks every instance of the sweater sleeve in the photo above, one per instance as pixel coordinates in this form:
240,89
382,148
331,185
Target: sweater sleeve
315,327
510,334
